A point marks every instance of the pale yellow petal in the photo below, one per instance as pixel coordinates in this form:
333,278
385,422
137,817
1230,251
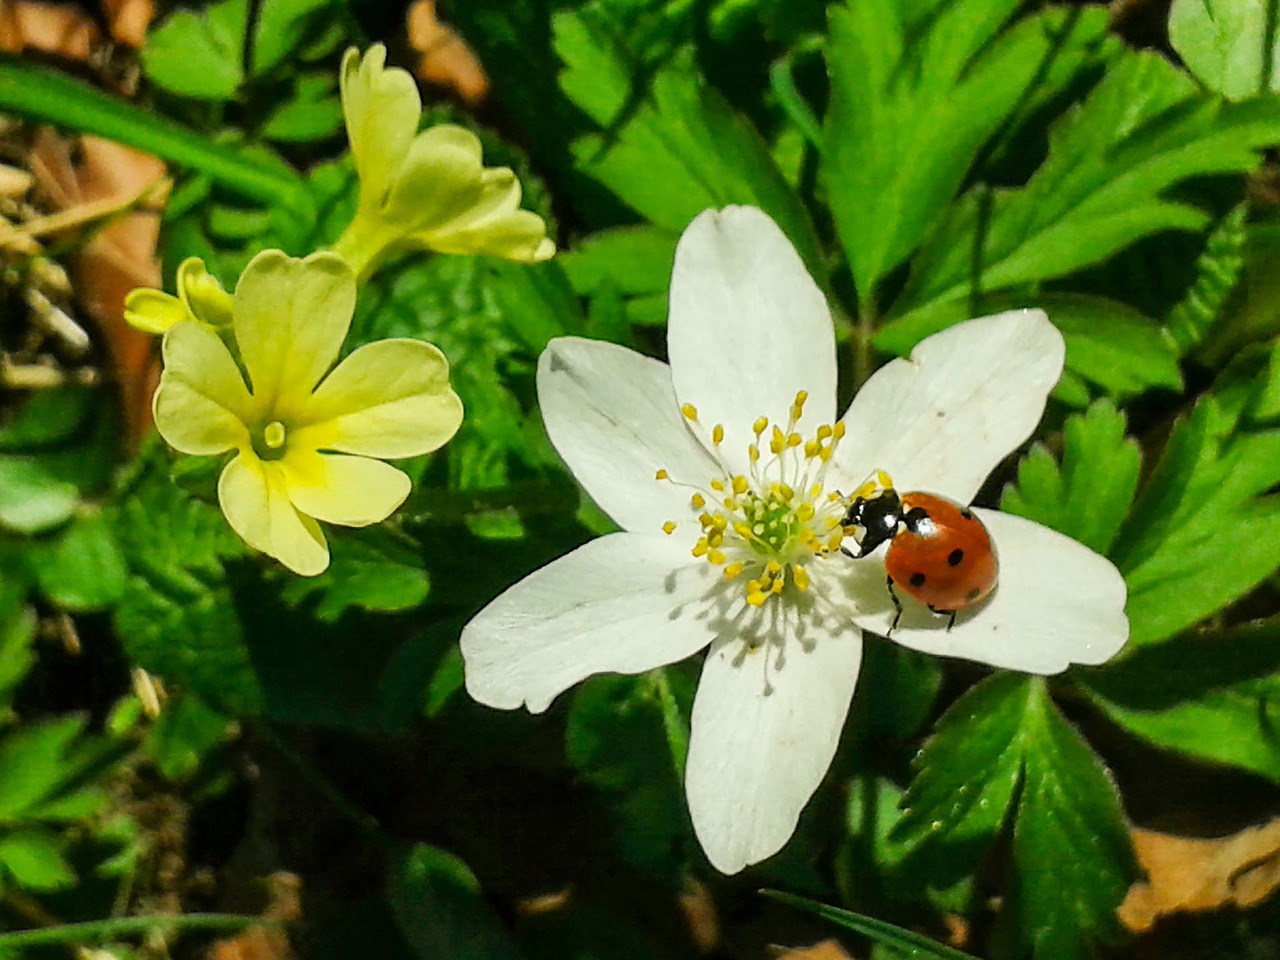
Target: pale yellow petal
153,311
291,317
352,491
493,224
382,108
256,504
441,179
202,294
202,404
390,398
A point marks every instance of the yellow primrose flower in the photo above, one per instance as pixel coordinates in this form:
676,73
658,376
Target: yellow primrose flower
200,297
305,436
428,189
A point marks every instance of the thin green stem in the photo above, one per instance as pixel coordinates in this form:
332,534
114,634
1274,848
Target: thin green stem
99,930
672,722
863,336
38,93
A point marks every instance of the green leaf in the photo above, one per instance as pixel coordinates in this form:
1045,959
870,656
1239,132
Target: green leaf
45,95
1217,272
1002,753
441,910
17,631
184,733
371,569
1214,697
1105,183
314,112
33,857
1088,495
676,149
1226,44
32,497
905,943
81,568
618,739
199,54
177,617
1177,549
915,97
282,27
43,770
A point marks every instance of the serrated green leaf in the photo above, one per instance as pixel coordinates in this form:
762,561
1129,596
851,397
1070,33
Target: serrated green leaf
1224,43
17,631
1173,549
43,767
634,260
49,417
184,733
615,740
1215,697
1087,495
1217,273
1105,183
81,568
676,149
440,909
33,858
907,86
1003,750
314,112
32,496
199,55
371,569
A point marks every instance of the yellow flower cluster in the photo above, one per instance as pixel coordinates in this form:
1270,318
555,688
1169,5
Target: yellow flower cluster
253,373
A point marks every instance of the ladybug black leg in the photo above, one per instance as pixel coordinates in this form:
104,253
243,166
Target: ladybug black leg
949,614
897,606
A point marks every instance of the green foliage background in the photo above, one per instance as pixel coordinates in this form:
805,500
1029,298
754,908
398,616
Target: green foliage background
932,160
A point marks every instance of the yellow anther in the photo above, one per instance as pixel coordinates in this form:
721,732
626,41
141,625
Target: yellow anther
804,512
717,433
716,539
754,453
706,520
716,557
669,527
717,486
698,501
884,479
865,490
777,440
700,548
794,440
753,586
759,427
778,585
824,431
690,412
825,454
740,485
833,496
834,541
719,522
802,397
773,567
785,492
838,430
800,577
815,491
742,529
734,570
811,448
662,475
757,599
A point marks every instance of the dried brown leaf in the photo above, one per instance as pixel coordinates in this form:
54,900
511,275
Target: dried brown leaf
59,29
446,60
127,20
1189,874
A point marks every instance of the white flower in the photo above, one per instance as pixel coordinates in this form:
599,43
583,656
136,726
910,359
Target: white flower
734,545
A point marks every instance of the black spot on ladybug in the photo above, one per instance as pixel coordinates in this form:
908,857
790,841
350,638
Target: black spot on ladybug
954,557
972,595
967,513
917,579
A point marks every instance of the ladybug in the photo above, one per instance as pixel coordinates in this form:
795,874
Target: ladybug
940,553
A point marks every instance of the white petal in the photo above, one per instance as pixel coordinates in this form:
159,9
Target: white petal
748,326
624,603
757,754
1056,603
613,417
965,400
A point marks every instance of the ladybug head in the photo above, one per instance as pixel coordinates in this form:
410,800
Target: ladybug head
879,516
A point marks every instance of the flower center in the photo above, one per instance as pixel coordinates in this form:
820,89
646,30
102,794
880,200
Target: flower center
269,442
764,525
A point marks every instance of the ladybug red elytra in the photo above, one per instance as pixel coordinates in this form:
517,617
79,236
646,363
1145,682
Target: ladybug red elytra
940,553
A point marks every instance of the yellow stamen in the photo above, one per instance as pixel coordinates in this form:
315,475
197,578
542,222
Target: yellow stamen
717,434
662,475
690,412
669,527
